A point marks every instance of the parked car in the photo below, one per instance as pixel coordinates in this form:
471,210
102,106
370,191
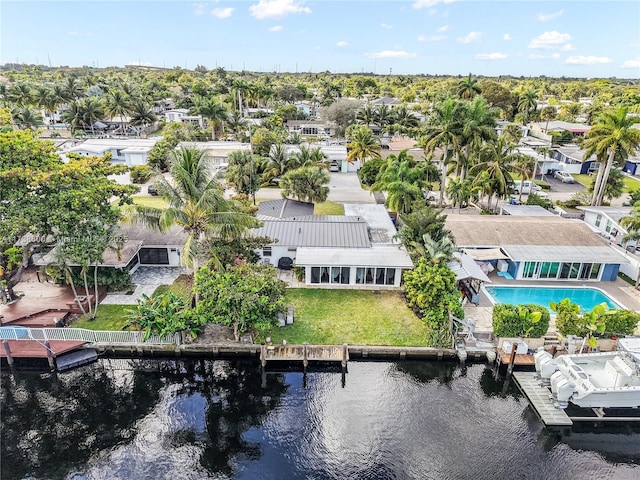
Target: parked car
334,167
564,177
430,196
151,190
527,187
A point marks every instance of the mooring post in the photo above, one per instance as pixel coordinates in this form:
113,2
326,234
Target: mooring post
7,350
52,363
512,358
263,383
305,356
263,355
345,355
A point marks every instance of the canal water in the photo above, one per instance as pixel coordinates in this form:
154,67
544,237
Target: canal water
201,419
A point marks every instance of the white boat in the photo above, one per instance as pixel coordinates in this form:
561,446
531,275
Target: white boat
594,380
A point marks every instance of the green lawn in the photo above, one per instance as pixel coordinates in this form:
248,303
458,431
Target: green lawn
356,317
157,202
328,208
110,317
182,287
629,183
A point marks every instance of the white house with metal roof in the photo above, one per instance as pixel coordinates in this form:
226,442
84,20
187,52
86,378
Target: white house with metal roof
357,250
606,221
131,152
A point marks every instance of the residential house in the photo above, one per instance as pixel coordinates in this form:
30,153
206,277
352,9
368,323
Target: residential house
181,115
606,221
311,128
357,250
284,208
217,152
543,130
386,100
571,159
131,151
549,248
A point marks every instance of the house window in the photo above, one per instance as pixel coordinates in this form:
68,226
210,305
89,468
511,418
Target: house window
154,256
331,275
390,276
595,271
609,226
598,220
529,269
266,252
549,270
315,274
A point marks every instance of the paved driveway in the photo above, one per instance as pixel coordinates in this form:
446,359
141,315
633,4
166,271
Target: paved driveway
145,281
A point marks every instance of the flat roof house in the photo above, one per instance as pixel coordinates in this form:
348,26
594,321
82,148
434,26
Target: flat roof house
537,248
131,152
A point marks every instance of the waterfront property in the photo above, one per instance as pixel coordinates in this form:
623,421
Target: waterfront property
537,248
586,298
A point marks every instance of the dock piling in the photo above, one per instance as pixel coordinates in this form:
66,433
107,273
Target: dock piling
50,359
7,350
512,359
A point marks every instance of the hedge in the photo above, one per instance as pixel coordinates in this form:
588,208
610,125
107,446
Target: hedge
515,320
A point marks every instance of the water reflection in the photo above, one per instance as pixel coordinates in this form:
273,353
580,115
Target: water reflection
216,419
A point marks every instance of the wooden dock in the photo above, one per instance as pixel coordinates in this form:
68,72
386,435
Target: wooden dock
539,398
520,360
304,353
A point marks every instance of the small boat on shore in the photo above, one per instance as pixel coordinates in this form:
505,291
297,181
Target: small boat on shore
594,380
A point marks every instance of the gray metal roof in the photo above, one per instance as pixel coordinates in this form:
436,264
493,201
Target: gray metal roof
285,208
614,213
526,210
587,254
296,233
465,267
376,256
381,227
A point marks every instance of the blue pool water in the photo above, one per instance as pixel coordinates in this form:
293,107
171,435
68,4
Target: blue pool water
587,298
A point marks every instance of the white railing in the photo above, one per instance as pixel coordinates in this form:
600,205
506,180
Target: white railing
81,334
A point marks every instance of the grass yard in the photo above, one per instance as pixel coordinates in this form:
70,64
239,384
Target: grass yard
328,208
629,183
156,202
356,317
182,287
110,317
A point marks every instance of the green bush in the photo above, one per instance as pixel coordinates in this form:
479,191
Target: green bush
112,278
568,321
620,322
538,200
369,171
520,320
141,174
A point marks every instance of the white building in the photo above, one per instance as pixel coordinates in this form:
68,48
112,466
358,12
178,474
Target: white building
181,115
131,152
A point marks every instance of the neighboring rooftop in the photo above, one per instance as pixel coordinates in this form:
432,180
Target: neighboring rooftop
285,208
563,253
525,210
381,227
101,145
500,230
561,125
376,256
614,213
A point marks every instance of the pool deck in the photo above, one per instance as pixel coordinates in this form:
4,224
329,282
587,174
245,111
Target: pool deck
619,290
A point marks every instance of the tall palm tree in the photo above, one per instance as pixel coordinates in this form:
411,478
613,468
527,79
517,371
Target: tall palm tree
460,192
402,196
404,118
27,118
401,168
196,203
468,88
278,163
118,104
612,136
366,115
497,161
142,113
73,89
242,172
443,131
526,166
212,110
479,122
527,103
632,224
362,146
21,94
383,116
92,111
236,122
307,157
547,114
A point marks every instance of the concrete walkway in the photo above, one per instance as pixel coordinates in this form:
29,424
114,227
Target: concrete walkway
145,280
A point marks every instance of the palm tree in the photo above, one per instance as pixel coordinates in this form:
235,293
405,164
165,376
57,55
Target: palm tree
404,118
236,122
242,173
527,103
21,94
92,111
383,116
526,166
632,224
142,114
444,131
547,114
366,115
307,184
437,251
495,162
612,136
118,105
403,196
278,163
512,133
307,157
460,192
362,146
479,122
213,111
196,203
401,168
468,88
73,89
27,118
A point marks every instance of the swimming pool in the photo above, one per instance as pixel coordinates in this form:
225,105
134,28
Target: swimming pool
587,298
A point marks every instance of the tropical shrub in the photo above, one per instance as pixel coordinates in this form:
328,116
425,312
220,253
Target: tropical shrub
620,322
538,200
431,291
163,314
370,170
115,279
568,321
528,320
141,174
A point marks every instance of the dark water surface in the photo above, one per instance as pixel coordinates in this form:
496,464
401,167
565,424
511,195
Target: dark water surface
152,419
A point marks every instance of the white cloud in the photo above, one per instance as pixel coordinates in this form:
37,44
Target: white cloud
418,4
634,63
549,16
536,56
555,55
277,8
342,44
444,28
386,25
393,54
432,38
491,56
276,28
549,40
199,8
222,12
587,60
506,36
568,48
471,37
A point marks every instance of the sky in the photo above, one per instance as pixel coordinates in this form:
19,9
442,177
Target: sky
437,37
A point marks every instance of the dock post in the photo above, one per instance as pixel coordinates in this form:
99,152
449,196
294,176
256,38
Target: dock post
7,350
305,356
512,359
345,355
52,363
263,355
